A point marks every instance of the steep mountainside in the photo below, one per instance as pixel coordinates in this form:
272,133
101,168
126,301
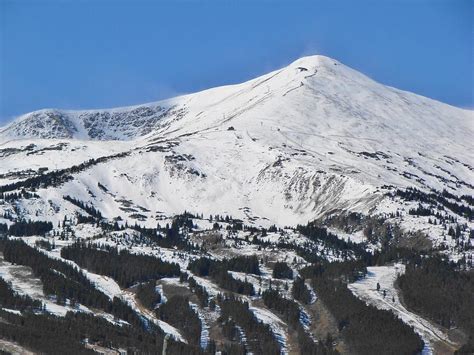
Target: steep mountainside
300,143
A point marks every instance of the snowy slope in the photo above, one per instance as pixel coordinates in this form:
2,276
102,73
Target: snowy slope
385,276
309,139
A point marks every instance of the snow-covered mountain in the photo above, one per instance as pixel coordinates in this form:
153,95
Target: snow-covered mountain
222,178
299,143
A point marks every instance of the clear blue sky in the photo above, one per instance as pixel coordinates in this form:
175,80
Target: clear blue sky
94,54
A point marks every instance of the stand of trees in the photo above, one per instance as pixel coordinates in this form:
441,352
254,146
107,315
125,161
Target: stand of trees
218,271
45,244
420,211
281,270
89,209
11,299
67,335
247,264
300,292
199,291
444,198
177,312
147,295
125,268
226,281
433,288
290,311
230,331
318,233
205,266
367,330
259,335
84,219
285,307
348,271
28,228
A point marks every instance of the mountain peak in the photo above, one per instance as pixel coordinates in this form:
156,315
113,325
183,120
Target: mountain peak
313,61
310,90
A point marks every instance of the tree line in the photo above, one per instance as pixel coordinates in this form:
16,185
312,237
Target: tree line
177,312
147,295
13,196
58,177
259,335
218,271
82,205
28,228
281,270
444,198
125,268
11,299
69,335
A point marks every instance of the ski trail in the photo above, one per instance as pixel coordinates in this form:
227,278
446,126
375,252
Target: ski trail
366,290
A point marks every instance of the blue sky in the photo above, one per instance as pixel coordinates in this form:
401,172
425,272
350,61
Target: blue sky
93,54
